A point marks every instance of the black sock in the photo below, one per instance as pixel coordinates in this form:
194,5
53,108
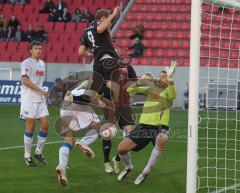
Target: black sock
117,157
106,150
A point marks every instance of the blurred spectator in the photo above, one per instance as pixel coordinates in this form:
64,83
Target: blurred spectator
41,35
3,32
76,15
19,34
86,16
60,6
18,1
53,16
138,31
65,16
10,35
138,49
48,6
29,34
13,23
3,1
3,21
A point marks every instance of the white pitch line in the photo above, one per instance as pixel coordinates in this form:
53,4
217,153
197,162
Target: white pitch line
227,188
21,146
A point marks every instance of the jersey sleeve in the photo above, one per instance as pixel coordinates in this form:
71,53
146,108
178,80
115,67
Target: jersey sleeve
131,73
25,69
169,93
84,39
133,88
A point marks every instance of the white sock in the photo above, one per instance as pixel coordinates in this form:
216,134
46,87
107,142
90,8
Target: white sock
126,160
42,138
27,144
152,160
90,137
64,154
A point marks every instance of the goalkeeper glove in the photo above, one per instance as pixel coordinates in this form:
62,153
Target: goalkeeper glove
170,70
68,97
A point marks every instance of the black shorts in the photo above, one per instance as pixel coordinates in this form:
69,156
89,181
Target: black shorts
104,70
124,116
143,134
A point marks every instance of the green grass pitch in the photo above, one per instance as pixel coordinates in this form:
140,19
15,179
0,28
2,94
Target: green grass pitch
87,175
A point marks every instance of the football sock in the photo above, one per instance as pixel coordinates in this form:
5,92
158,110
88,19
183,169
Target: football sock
42,138
90,137
64,154
27,144
106,150
126,160
117,157
152,160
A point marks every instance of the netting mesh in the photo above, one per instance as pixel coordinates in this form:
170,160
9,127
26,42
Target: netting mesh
219,118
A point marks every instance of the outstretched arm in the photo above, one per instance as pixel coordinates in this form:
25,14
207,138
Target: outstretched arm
107,22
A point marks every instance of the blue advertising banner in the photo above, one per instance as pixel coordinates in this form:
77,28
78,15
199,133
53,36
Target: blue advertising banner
10,90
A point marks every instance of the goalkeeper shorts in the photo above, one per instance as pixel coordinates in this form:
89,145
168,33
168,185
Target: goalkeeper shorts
143,134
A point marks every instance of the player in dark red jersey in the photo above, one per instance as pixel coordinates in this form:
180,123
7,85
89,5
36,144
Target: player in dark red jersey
123,113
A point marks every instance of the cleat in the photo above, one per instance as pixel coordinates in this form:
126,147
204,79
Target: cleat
29,162
116,165
40,158
140,179
85,149
108,168
62,176
124,173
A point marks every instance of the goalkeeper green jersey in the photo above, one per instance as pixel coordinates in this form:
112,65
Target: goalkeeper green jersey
156,109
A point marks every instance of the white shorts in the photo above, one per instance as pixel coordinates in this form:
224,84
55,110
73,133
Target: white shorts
33,110
81,117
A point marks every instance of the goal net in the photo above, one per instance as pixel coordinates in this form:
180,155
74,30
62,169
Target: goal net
218,146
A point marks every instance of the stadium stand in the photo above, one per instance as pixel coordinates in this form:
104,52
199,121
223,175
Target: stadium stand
63,38
167,32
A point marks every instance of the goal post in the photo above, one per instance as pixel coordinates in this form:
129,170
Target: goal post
193,96
213,155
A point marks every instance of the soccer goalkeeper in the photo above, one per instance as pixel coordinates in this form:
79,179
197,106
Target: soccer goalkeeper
153,124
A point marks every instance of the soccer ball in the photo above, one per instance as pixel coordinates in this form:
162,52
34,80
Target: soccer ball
108,131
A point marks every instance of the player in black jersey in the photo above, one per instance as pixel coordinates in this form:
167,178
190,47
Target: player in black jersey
105,69
97,39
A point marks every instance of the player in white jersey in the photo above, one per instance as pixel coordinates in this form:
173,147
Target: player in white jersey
76,115
33,103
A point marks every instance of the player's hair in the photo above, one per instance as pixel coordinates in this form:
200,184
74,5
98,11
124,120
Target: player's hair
102,13
164,71
148,74
35,43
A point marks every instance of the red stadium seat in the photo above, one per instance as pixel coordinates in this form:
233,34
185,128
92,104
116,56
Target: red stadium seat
64,37
51,58
73,58
135,61
48,26
164,44
160,34
160,53
12,47
155,44
16,57
59,27
70,27
148,53
23,47
144,61
155,61
5,56
53,37
134,8
149,34
170,53
3,46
